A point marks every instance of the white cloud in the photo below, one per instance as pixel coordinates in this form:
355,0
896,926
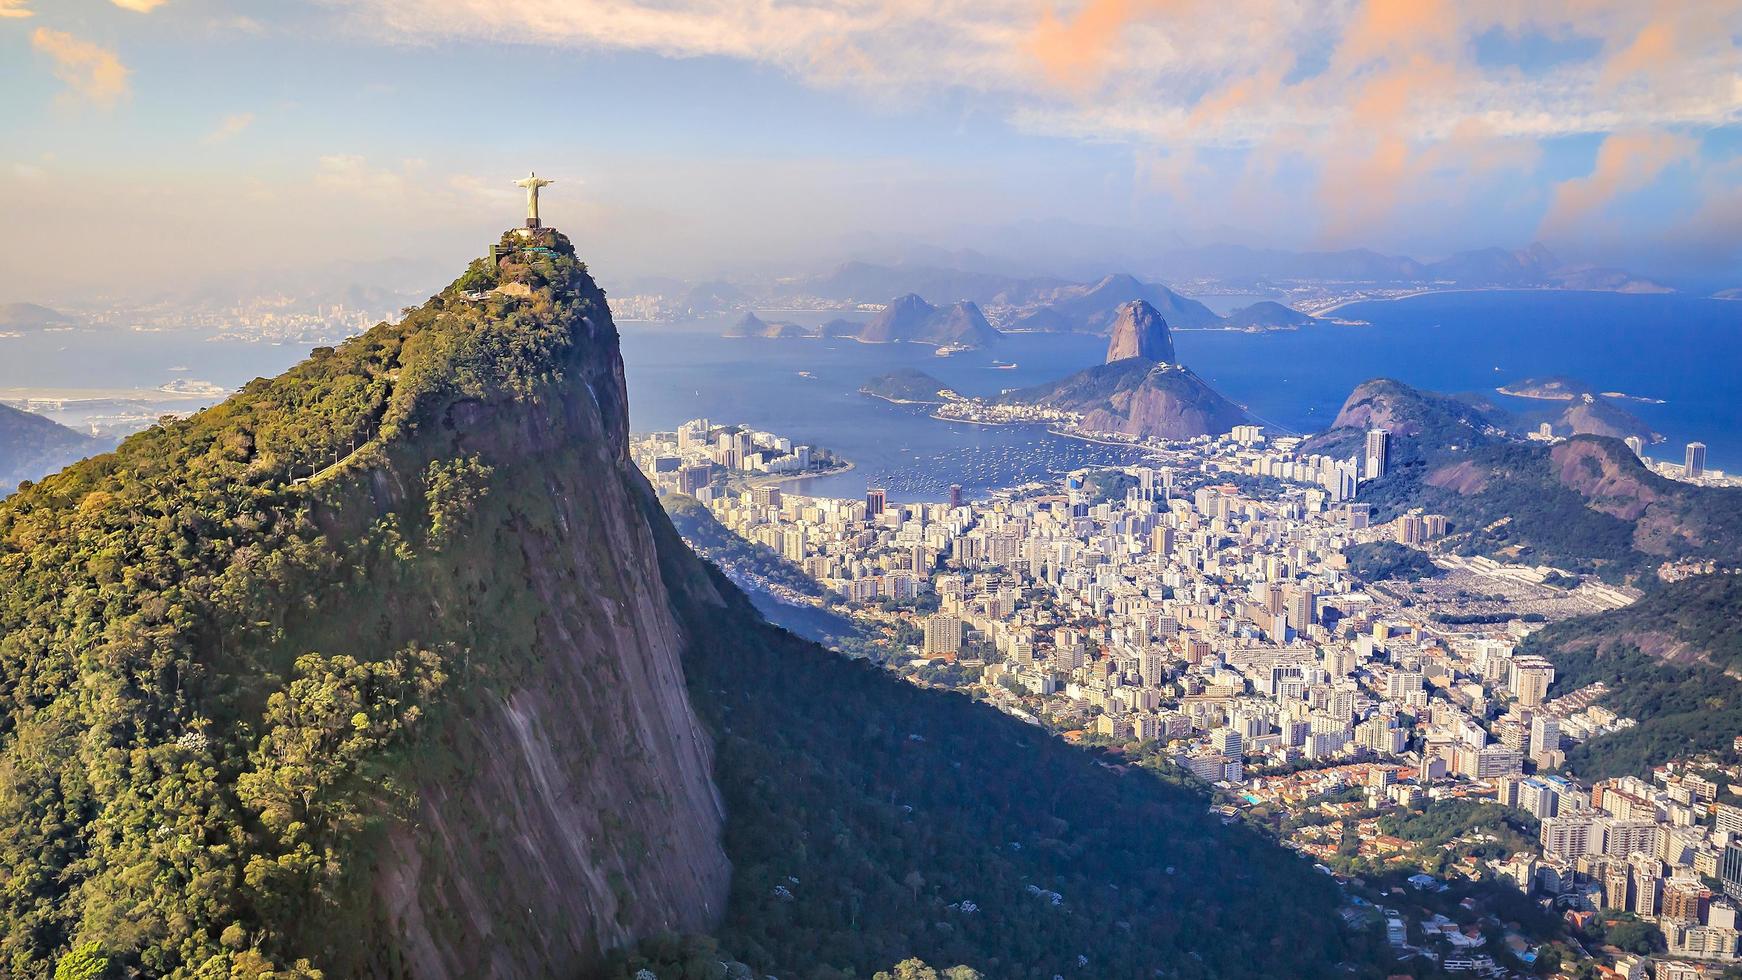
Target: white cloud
1382,100
1137,69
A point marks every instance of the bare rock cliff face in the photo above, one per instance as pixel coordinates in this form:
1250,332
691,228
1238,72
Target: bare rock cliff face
1139,331
586,816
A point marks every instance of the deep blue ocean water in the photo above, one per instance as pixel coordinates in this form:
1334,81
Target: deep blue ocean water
1684,350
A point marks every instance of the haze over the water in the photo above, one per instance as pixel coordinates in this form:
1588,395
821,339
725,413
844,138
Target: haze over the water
180,142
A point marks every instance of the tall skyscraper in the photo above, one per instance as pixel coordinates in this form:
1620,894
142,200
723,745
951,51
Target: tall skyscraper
1694,465
875,501
955,495
1378,453
1637,445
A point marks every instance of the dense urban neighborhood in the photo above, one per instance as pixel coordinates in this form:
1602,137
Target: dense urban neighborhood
1234,612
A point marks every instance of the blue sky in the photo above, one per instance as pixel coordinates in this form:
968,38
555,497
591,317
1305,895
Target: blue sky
694,137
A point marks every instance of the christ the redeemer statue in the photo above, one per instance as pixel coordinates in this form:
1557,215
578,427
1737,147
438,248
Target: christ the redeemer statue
532,183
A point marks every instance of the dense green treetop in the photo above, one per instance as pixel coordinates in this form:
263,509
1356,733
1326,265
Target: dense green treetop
187,763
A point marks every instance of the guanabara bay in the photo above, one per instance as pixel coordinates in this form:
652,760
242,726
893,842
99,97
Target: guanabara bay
393,666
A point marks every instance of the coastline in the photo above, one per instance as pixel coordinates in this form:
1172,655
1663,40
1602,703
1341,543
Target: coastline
902,401
1061,433
1427,292
1477,289
1066,434
765,480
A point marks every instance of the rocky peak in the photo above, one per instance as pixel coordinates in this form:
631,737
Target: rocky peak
1139,331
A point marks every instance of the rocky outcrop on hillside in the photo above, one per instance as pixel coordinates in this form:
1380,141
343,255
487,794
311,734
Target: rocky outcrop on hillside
1383,403
1138,391
1139,331
1138,397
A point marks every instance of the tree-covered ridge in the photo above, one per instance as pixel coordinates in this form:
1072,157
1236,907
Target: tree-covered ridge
1669,661
260,670
191,758
1586,504
1377,561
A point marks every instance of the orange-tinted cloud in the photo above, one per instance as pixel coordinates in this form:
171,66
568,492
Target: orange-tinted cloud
1240,95
139,6
1370,162
1074,52
1625,162
15,8
1388,28
91,71
1652,49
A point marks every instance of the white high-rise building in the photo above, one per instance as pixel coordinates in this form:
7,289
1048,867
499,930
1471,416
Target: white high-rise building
1378,453
1694,463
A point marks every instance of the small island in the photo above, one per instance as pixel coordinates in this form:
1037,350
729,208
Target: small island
751,325
909,386
1266,315
1558,388
1586,412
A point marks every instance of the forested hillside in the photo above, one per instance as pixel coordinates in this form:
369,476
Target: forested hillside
1589,505
1671,662
366,670
393,666
1586,504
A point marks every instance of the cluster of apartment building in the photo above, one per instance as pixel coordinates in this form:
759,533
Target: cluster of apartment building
1185,611
1665,849
1225,624
700,458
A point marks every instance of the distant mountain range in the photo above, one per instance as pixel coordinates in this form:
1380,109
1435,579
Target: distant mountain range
1053,303
32,447
1091,309
1532,266
911,318
30,316
865,282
